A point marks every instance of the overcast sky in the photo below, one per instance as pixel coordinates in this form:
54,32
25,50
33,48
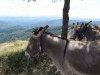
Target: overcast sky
79,8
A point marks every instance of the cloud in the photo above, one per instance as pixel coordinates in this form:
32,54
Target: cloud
85,9
24,8
78,8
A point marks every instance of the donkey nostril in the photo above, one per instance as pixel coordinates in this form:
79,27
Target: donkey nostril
27,55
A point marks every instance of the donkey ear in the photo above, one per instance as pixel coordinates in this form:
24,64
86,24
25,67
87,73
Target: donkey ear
46,27
87,24
73,25
40,31
37,30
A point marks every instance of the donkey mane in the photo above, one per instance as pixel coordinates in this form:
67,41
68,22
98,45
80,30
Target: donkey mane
37,30
53,35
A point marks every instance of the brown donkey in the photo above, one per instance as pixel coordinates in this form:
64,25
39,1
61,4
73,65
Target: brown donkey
81,58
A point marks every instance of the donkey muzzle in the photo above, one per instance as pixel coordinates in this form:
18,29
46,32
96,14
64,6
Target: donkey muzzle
27,55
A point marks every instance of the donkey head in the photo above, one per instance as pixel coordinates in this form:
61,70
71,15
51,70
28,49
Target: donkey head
78,31
33,49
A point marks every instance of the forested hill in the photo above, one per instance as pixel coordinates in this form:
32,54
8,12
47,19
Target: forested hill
15,28
20,33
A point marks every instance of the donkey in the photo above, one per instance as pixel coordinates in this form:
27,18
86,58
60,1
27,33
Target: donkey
82,58
90,32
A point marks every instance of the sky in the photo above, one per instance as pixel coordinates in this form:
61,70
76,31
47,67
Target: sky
78,8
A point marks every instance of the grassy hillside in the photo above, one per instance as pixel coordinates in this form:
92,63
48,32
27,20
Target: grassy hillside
13,62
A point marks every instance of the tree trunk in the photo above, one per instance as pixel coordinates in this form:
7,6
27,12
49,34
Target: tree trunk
65,18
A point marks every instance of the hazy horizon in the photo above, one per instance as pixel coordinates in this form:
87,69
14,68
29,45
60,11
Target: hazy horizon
52,17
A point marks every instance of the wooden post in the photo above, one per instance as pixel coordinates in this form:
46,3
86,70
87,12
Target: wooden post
65,18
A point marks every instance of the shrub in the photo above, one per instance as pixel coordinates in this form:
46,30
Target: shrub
15,63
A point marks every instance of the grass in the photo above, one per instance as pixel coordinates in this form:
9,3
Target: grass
11,53
11,47
13,62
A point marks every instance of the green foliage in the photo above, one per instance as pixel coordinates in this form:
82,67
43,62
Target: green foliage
18,33
14,33
16,63
12,63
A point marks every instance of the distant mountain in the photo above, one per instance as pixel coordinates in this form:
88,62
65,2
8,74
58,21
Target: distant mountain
13,33
11,29
14,28
25,21
20,33
4,25
97,22
84,19
29,22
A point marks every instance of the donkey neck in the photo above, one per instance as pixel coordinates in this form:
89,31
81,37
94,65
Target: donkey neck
54,47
